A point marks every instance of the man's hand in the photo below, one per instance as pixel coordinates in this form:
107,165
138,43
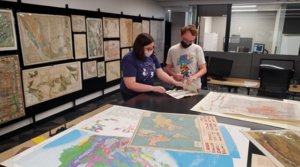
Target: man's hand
190,79
178,76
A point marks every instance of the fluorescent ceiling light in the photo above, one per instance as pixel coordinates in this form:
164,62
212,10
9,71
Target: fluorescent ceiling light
248,6
245,10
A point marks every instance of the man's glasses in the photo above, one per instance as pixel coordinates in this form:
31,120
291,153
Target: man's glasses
187,41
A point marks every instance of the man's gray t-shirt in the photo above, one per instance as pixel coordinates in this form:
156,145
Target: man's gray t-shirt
186,61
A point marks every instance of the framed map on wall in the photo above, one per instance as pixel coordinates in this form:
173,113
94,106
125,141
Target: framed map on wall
46,83
111,50
40,43
78,23
112,70
111,27
126,32
124,52
137,29
7,31
94,38
145,26
101,69
80,46
157,34
89,69
12,104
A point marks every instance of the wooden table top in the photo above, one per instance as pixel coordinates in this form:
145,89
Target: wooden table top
295,90
238,82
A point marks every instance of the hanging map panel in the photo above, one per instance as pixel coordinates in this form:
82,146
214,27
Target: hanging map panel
111,27
78,23
7,31
137,29
46,83
45,38
126,32
94,37
11,95
113,70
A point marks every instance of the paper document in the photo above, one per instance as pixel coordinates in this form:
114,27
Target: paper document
281,147
191,87
178,94
251,107
261,161
250,84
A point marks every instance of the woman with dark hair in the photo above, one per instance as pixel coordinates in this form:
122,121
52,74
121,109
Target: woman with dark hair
139,67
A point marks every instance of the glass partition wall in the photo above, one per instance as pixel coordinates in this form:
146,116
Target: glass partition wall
260,28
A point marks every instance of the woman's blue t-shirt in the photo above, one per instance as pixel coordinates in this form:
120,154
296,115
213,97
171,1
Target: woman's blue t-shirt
143,70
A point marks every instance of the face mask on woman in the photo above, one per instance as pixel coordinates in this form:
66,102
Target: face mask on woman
149,53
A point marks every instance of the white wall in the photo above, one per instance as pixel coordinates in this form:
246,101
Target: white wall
256,25
147,8
205,27
218,25
290,44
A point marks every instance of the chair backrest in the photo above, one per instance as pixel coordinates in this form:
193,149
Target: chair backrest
244,49
204,77
276,79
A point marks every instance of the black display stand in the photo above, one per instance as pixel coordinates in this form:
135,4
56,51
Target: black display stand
88,86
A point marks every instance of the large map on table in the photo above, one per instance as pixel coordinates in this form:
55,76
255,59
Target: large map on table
281,147
168,131
78,148
45,38
11,99
250,106
42,84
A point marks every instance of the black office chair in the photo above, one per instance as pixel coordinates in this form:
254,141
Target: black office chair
204,77
275,83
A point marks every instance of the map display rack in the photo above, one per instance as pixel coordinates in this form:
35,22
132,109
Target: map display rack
179,132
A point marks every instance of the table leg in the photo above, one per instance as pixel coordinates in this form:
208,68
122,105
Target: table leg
248,91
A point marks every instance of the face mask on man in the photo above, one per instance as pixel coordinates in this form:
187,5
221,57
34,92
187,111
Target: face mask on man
184,45
149,53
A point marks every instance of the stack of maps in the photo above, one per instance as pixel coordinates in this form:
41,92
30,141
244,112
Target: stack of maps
121,136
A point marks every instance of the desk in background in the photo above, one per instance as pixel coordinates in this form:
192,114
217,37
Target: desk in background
239,82
235,82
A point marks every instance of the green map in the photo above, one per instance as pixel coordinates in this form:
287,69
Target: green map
168,131
6,31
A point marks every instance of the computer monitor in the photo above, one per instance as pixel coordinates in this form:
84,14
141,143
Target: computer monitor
258,48
219,69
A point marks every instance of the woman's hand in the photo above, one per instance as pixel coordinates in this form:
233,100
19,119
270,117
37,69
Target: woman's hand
178,84
159,89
